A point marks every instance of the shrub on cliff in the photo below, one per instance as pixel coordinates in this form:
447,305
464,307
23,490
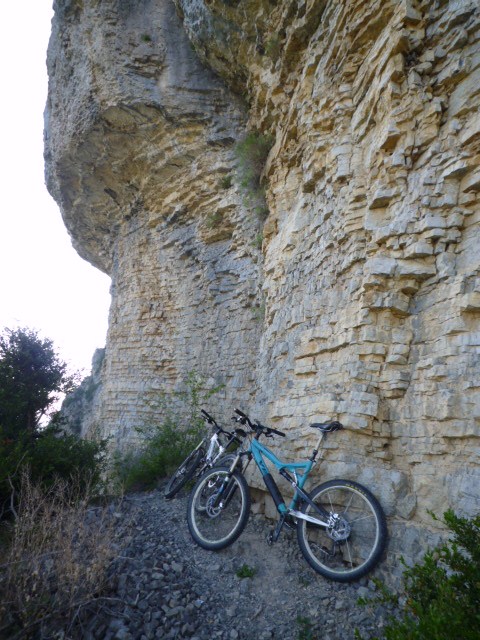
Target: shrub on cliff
252,153
166,444
440,599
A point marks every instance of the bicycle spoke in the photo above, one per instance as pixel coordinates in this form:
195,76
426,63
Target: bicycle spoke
331,504
353,540
348,505
367,517
215,520
349,554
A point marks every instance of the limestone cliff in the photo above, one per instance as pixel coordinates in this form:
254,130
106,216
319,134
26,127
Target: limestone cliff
363,303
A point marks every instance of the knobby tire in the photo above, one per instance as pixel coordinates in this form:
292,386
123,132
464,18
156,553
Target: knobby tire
184,473
358,524
214,526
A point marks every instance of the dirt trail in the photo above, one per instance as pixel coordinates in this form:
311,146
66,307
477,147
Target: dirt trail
167,587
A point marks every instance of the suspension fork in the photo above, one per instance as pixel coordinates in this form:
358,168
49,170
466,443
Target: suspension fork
227,488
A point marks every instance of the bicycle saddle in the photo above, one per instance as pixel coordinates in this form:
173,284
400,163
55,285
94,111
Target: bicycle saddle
327,427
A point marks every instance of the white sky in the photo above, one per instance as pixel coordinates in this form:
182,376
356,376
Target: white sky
44,284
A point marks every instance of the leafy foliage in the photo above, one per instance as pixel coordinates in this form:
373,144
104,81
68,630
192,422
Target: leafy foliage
55,563
245,571
166,444
258,241
273,48
31,377
252,153
305,629
226,182
214,220
49,455
441,595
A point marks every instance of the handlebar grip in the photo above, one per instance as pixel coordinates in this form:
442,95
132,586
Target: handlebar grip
208,417
277,432
244,417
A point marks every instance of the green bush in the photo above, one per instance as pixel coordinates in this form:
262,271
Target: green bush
60,455
32,376
164,449
245,571
252,153
258,241
49,455
214,220
273,48
166,444
226,182
305,629
440,599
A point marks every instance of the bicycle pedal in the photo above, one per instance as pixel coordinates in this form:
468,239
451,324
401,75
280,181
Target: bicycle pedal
270,539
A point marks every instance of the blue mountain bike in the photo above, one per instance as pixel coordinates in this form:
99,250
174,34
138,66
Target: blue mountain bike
341,527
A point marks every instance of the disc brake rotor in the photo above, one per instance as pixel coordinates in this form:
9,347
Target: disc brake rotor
211,510
338,528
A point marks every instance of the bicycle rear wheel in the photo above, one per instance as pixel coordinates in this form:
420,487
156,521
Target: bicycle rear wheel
184,473
216,526
354,541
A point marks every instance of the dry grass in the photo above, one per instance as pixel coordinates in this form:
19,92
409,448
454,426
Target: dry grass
55,563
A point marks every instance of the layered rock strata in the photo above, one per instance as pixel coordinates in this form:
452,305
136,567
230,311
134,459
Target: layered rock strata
364,302
139,143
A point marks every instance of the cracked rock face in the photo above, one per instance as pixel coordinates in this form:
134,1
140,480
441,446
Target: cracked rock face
363,303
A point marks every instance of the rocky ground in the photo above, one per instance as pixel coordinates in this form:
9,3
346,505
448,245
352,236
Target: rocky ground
167,587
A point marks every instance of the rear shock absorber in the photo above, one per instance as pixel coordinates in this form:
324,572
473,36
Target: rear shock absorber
274,491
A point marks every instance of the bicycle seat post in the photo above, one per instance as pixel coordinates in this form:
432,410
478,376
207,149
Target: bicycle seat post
317,446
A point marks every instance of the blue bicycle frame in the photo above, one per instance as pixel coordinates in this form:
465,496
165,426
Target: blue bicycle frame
258,450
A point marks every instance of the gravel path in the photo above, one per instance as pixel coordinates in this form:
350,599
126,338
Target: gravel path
167,587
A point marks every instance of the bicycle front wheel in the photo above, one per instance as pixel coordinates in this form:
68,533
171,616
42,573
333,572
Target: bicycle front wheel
356,535
184,473
216,526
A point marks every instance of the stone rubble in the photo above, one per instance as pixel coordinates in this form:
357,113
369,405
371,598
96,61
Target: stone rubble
165,587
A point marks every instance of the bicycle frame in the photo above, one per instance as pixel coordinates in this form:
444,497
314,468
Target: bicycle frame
259,451
214,445
340,525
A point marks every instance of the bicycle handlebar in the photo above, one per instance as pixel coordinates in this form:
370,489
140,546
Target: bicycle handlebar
206,416
256,426
275,431
243,417
235,436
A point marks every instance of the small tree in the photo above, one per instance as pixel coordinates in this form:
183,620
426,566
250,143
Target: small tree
31,377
